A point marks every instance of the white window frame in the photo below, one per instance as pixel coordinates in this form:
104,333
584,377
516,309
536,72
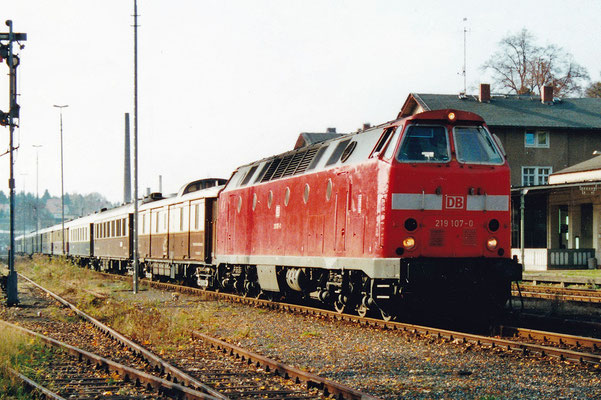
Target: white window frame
536,134
539,177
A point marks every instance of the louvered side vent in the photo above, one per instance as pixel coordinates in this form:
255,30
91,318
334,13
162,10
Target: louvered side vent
308,157
436,237
296,159
282,167
272,167
470,237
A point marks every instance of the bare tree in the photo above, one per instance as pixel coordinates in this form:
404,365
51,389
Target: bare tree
524,67
594,90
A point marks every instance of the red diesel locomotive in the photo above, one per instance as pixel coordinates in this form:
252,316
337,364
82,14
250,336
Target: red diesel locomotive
414,210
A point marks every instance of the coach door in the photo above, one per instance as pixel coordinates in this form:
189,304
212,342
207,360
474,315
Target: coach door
91,240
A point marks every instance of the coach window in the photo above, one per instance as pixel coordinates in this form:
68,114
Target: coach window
270,199
287,196
156,227
118,227
239,203
196,216
254,201
329,190
424,144
306,193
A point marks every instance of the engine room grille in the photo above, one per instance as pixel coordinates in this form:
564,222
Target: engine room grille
469,237
291,164
436,237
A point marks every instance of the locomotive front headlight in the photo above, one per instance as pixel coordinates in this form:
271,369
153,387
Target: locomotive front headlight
491,243
409,243
451,116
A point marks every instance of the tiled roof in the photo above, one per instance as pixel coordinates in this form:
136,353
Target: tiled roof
588,165
523,111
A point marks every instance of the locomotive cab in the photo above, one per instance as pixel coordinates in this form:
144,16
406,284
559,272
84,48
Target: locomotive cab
450,210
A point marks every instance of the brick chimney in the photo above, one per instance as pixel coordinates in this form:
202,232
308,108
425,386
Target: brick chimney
547,95
484,93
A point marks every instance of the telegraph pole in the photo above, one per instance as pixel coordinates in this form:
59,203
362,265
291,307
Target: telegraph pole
6,52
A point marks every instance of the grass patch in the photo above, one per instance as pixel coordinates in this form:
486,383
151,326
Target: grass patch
24,354
150,318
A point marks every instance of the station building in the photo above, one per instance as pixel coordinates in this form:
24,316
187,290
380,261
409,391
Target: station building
556,185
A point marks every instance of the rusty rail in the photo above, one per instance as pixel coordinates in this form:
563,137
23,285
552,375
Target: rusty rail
559,293
34,385
132,374
158,363
489,341
552,337
311,380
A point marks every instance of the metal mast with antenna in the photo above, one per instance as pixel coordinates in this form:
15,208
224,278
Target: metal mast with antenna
135,228
464,56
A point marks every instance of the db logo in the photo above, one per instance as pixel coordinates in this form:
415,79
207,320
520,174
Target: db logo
455,202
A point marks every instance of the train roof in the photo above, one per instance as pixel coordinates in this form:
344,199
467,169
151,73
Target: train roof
346,149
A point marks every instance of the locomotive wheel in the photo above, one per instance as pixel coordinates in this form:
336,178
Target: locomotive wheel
362,311
386,316
340,307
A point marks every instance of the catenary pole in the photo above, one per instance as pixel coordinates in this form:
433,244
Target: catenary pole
135,227
62,180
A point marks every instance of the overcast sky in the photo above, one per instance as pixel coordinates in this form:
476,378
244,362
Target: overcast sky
223,83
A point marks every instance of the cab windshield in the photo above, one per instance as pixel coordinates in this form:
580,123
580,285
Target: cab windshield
424,144
474,145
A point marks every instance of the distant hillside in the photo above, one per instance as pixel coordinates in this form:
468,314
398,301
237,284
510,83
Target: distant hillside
47,208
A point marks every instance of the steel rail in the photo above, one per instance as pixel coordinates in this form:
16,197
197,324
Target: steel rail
556,338
556,296
123,370
486,341
559,293
34,385
158,363
311,380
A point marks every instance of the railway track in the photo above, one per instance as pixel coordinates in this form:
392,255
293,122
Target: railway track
557,293
514,339
77,373
220,370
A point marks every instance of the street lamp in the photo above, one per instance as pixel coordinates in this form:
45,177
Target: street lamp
62,181
37,194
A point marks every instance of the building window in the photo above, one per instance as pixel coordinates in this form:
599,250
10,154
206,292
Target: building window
536,139
535,176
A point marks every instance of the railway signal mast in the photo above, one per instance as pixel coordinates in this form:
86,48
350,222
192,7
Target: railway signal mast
8,119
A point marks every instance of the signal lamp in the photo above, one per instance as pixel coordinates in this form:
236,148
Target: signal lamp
491,244
3,118
493,225
451,116
409,243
